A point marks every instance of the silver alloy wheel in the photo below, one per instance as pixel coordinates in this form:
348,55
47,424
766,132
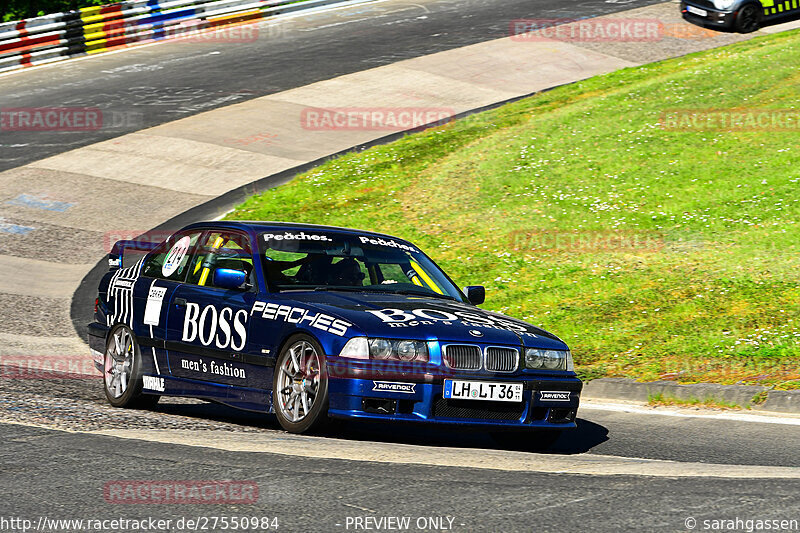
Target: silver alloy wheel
298,381
119,362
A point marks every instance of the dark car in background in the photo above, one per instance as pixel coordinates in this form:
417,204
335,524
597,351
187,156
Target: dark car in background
743,16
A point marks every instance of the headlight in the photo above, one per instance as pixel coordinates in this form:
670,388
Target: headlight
385,349
380,349
356,348
411,350
548,359
724,4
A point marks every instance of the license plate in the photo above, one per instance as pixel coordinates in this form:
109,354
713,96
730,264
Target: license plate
697,11
482,390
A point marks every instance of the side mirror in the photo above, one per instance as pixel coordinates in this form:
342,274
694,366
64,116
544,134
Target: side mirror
228,278
476,294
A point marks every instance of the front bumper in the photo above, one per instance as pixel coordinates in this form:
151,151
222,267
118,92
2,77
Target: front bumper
715,18
418,397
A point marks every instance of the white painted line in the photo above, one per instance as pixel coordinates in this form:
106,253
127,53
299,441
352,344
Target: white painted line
491,459
765,418
276,442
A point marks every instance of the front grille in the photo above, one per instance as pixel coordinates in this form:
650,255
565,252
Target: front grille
501,359
443,408
462,356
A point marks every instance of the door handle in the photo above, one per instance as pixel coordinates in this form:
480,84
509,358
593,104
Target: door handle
180,302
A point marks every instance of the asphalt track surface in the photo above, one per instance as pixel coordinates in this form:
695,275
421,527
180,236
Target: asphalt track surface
146,86
312,494
38,467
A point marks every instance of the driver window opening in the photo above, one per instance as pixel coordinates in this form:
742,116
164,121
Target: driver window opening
220,250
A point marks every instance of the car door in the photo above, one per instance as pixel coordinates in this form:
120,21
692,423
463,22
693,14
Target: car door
208,334
163,270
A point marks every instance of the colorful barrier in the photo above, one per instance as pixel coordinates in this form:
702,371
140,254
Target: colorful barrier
99,29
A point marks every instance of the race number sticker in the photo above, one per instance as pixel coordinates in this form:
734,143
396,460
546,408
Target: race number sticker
152,311
175,256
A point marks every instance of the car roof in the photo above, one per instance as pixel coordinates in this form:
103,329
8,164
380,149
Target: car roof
259,225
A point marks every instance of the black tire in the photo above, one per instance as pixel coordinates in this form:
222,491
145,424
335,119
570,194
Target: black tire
527,440
124,356
748,19
305,375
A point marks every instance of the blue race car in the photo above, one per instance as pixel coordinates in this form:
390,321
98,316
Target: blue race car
312,322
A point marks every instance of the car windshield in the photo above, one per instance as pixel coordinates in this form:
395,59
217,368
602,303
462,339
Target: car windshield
317,260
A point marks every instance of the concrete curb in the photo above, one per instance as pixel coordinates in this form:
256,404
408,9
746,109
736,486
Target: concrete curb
744,396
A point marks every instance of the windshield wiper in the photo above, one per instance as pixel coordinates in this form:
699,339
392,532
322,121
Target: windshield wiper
347,289
423,293
385,291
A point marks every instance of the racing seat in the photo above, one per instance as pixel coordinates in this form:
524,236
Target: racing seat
315,271
347,273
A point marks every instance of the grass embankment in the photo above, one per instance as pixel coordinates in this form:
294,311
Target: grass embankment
665,400
654,252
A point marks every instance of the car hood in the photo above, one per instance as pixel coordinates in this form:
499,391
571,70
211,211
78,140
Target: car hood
402,316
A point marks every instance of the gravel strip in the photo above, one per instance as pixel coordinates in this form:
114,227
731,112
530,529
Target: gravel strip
675,37
79,405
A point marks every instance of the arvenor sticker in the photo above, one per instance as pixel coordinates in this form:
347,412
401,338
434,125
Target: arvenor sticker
392,386
175,256
554,396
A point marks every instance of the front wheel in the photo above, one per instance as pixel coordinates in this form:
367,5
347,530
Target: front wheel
748,19
300,386
122,378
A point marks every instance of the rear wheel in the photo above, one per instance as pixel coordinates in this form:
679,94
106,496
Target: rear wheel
122,378
300,386
748,19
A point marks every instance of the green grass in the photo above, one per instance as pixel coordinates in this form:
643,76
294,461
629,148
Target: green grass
653,253
21,9
661,399
759,398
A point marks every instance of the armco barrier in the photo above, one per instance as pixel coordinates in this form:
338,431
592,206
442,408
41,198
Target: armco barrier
98,29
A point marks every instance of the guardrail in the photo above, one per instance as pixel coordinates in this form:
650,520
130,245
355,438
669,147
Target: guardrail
97,29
